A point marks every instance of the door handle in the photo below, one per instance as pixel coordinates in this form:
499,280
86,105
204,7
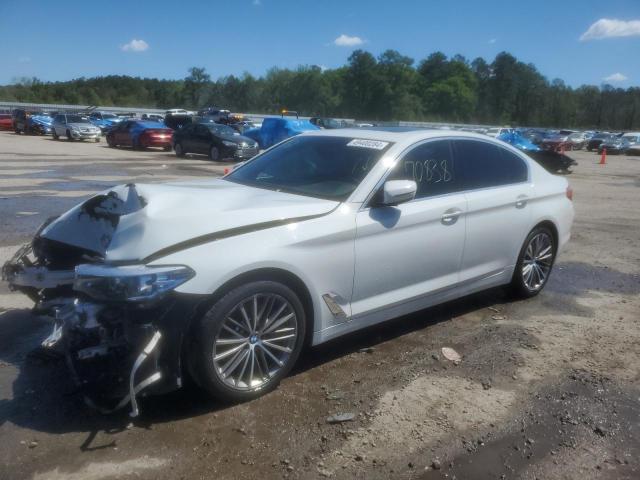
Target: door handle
450,216
521,201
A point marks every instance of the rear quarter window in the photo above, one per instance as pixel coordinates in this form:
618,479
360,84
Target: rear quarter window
484,165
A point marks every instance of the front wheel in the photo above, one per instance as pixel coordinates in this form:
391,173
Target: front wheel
110,142
55,135
534,263
248,341
69,137
214,153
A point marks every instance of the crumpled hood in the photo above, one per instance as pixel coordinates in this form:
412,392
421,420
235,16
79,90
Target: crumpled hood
42,120
148,221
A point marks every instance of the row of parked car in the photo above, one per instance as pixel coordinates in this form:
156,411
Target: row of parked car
567,140
221,135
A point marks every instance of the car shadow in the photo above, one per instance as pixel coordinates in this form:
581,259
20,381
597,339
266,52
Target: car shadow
43,397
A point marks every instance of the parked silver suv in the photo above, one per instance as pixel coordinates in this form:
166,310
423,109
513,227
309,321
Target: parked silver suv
74,127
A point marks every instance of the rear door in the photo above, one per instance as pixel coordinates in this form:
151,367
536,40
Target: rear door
125,136
406,252
498,191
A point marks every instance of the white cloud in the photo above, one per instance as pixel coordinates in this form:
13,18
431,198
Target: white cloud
492,41
608,28
615,77
348,41
135,46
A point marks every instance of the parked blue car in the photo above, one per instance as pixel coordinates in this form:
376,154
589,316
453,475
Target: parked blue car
104,121
25,121
274,130
552,161
518,141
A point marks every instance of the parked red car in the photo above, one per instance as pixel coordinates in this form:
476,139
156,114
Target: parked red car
6,121
140,134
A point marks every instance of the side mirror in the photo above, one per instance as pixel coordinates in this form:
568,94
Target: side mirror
398,191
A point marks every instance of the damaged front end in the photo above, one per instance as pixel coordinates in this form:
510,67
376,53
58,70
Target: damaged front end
120,327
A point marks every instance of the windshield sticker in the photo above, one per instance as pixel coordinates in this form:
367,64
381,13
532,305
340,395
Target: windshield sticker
374,144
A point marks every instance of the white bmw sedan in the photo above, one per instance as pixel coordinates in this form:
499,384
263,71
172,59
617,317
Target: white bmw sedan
326,233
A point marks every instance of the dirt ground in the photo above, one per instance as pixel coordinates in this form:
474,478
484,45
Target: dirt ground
547,388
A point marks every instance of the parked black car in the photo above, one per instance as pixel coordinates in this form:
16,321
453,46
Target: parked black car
595,141
215,114
615,145
178,121
218,141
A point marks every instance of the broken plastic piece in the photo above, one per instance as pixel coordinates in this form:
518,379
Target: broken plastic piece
451,354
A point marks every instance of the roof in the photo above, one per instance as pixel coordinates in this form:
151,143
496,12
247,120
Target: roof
394,136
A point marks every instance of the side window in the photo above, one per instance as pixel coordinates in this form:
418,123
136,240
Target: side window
202,131
484,165
430,165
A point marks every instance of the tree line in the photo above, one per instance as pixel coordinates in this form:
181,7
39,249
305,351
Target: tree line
389,87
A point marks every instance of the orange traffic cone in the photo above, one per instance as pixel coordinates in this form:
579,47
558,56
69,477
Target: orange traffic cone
603,158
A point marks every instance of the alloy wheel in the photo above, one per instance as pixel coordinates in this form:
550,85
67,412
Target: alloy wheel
537,261
255,341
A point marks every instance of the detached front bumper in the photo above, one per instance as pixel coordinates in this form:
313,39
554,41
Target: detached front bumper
115,351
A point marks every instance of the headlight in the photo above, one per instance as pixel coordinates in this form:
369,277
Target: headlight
230,144
133,283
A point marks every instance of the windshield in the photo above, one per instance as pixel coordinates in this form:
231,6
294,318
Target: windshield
323,167
575,136
108,115
76,119
221,129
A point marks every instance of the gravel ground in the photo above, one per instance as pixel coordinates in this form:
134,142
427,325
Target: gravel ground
547,387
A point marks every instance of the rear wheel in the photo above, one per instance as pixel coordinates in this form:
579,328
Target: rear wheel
248,341
534,263
110,142
55,135
179,150
69,137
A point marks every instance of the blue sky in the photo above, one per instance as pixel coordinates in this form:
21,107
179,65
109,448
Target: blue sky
63,40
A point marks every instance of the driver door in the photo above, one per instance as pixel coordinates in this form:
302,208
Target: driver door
408,256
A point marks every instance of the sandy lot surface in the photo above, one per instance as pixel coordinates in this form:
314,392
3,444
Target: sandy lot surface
547,388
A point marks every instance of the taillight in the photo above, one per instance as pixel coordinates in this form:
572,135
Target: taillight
570,193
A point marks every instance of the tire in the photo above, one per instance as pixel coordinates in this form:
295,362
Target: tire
69,137
214,154
97,140
110,142
540,245
55,135
220,342
179,150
